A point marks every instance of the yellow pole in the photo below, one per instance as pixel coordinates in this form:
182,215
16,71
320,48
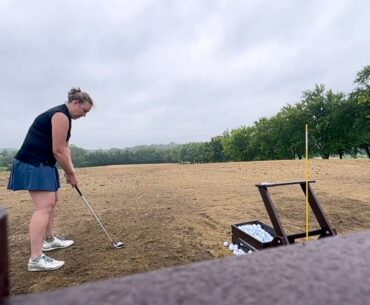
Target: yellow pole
307,178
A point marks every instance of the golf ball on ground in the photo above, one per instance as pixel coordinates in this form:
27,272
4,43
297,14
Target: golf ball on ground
226,243
241,252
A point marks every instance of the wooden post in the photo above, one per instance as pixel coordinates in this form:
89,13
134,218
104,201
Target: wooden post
4,267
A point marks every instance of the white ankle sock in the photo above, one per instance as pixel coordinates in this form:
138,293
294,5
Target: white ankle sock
36,259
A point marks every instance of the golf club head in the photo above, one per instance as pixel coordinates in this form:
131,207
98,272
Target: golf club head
118,245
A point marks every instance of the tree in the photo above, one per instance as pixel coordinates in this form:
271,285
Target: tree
361,97
319,108
239,144
343,129
216,150
293,121
265,139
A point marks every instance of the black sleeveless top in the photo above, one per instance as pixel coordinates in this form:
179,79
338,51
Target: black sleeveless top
37,147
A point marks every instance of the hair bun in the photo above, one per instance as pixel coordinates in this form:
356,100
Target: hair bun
72,93
75,94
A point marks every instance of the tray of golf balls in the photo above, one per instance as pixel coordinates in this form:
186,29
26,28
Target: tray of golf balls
253,235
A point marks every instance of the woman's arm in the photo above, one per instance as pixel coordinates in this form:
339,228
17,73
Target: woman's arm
61,150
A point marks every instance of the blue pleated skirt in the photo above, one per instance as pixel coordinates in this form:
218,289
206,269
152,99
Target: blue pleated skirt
24,176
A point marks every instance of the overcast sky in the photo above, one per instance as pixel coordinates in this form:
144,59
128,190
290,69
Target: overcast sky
165,71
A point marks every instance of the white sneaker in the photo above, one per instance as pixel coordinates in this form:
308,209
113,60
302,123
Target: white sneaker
56,243
44,263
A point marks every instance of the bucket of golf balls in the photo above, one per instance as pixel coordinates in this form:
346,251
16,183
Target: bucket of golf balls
254,234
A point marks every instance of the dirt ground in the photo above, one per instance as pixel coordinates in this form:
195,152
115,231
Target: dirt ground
173,214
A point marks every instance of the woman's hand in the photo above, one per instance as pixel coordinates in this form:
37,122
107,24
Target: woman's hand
71,178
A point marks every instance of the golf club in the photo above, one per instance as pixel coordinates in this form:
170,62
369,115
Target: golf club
118,244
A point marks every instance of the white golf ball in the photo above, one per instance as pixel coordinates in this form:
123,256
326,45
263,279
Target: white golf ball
256,231
226,243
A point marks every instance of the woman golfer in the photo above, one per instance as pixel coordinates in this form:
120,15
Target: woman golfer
34,170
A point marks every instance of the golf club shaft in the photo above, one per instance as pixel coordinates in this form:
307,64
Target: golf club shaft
92,212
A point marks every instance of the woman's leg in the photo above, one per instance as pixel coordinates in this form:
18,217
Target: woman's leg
44,203
50,228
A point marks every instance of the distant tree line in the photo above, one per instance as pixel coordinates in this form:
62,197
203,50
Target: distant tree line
338,123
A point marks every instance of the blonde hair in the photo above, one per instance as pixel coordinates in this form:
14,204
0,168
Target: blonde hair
75,94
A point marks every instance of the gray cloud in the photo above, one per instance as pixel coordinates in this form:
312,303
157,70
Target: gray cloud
172,71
